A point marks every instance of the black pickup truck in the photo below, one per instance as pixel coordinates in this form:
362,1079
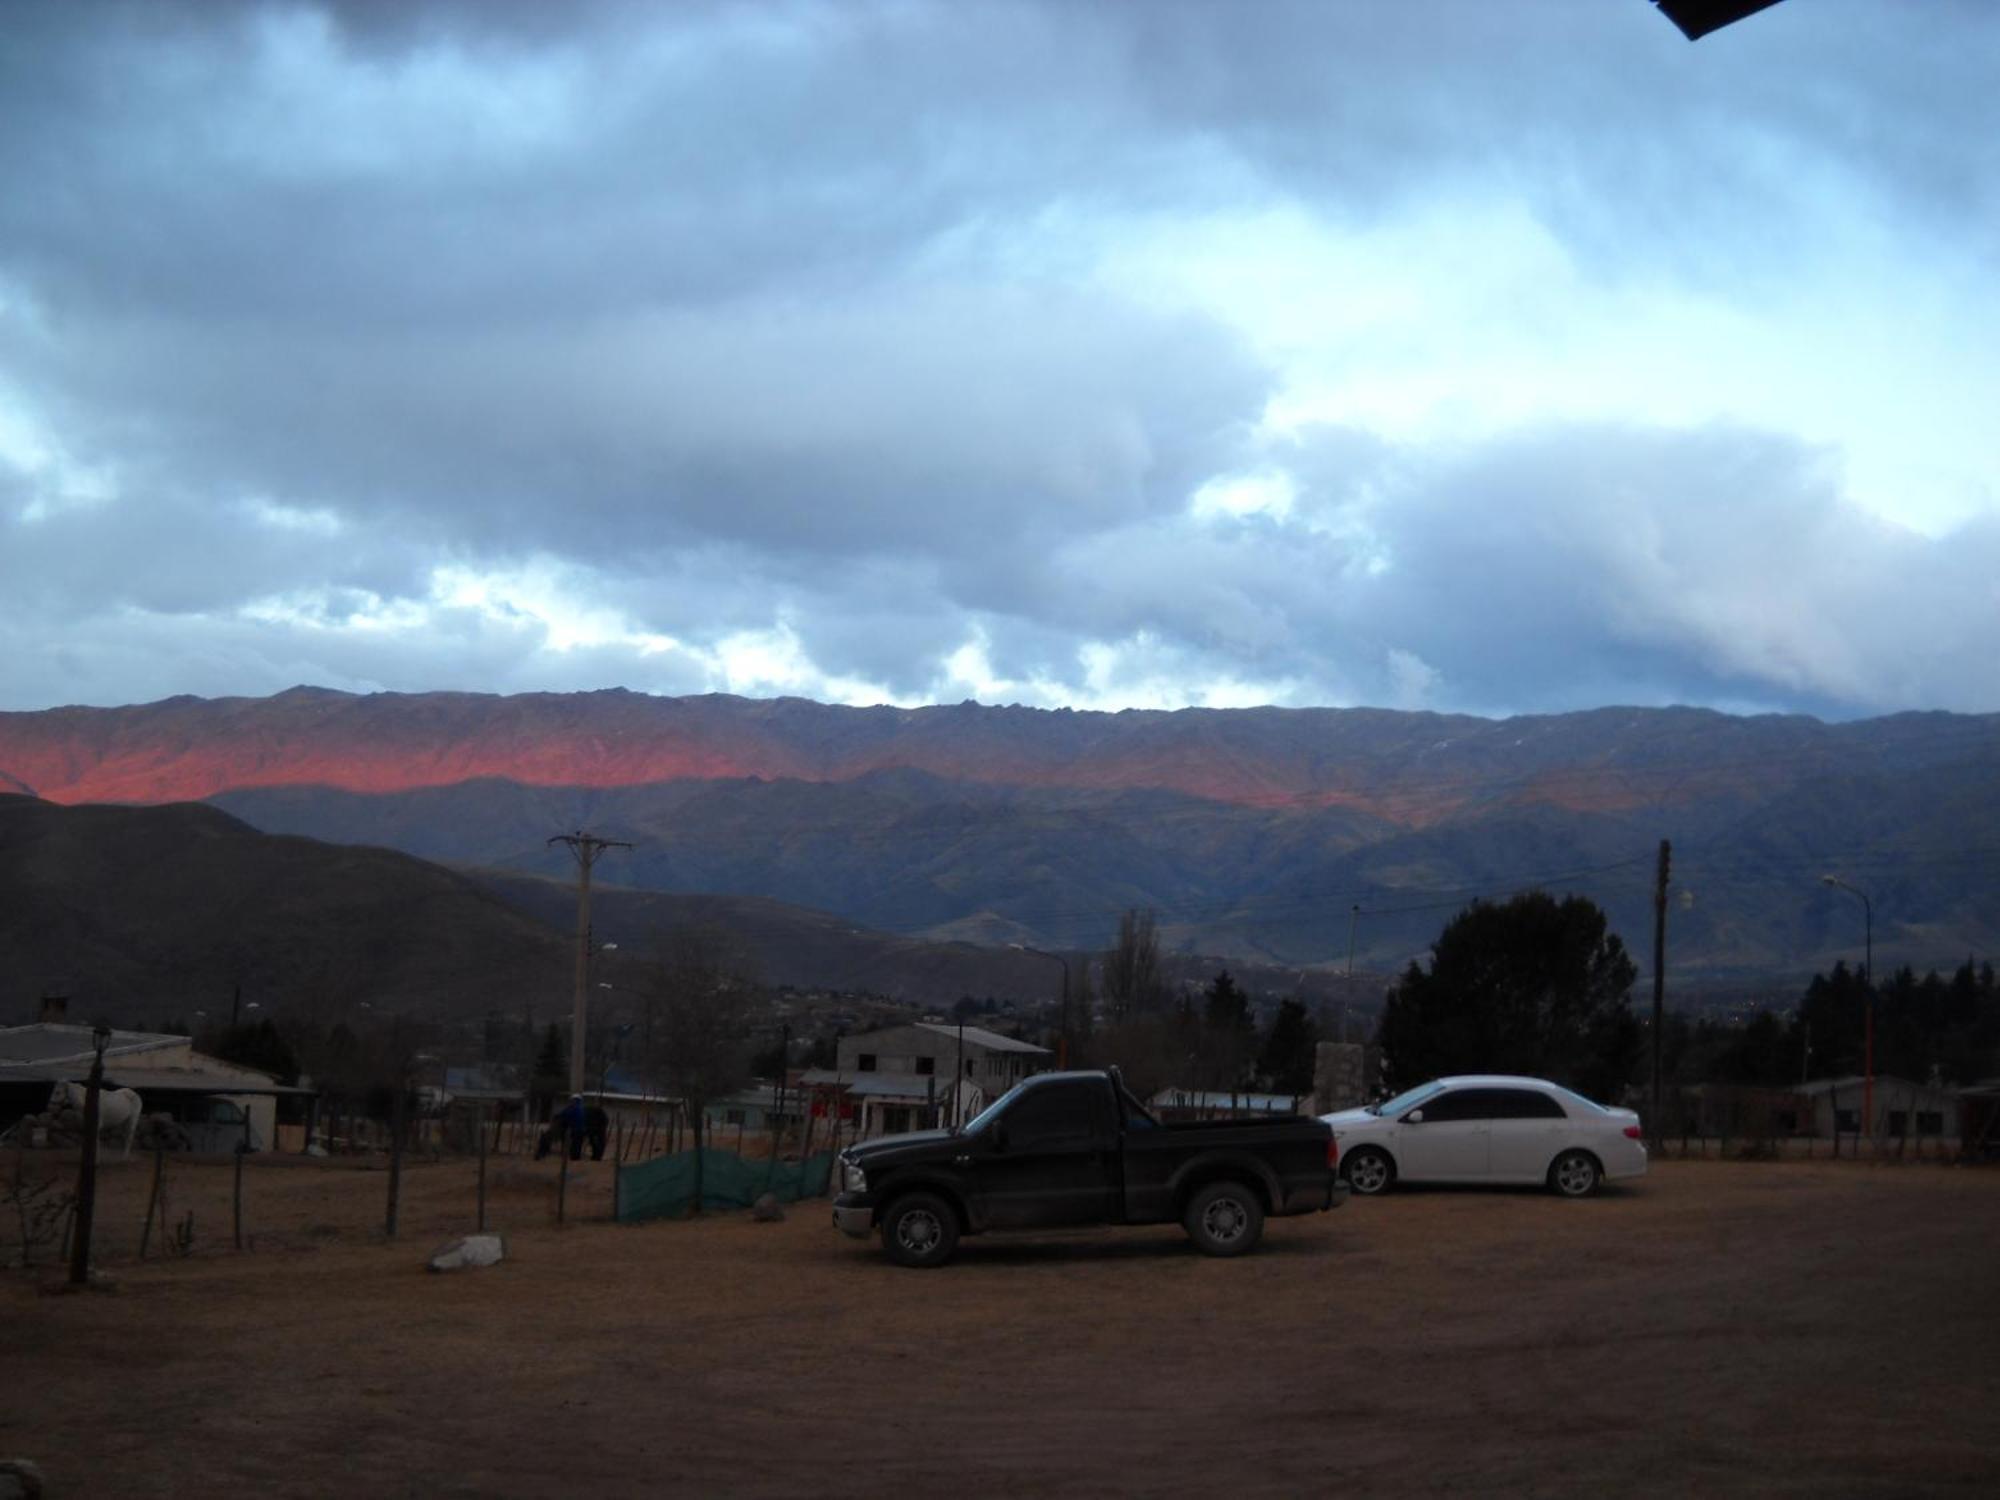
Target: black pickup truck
1077,1148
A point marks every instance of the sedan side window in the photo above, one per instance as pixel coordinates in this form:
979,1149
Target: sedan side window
1462,1104
1526,1104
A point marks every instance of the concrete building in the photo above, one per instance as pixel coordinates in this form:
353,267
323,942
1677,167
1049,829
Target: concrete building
924,1049
1919,1111
213,1098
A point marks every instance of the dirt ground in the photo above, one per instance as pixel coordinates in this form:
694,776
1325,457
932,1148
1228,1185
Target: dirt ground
1821,1329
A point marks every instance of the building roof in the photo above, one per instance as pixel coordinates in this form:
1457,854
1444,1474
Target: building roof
979,1036
230,1078
880,1085
60,1042
1856,1081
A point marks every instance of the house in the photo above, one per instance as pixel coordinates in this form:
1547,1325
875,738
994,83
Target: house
1901,1108
170,1076
888,1103
925,1049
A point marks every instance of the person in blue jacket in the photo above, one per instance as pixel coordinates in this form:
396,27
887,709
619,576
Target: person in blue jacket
566,1128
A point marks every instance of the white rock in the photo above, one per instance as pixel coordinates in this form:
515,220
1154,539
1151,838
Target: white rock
473,1250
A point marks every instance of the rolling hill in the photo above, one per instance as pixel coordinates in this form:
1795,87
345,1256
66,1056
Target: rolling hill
1254,833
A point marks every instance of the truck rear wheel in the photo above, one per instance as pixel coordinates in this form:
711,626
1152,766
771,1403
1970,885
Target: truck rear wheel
920,1230
1224,1218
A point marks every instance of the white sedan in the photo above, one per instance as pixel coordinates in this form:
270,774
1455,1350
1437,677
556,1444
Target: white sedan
1488,1128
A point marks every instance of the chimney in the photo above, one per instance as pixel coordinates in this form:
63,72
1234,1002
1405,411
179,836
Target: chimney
55,1009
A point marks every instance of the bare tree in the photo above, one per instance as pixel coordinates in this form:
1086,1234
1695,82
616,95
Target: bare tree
1132,985
699,1036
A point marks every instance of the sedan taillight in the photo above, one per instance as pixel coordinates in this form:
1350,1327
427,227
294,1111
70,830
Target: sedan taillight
1634,1133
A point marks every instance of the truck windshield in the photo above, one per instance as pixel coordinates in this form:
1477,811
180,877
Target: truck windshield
992,1111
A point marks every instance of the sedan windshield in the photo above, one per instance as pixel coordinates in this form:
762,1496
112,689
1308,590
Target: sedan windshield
1405,1101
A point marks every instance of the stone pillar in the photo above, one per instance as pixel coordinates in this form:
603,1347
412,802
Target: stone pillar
1340,1076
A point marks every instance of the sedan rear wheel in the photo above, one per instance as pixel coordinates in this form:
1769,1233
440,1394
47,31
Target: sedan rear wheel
1368,1171
1575,1174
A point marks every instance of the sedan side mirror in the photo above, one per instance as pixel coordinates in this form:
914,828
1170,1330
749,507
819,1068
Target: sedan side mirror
1414,1117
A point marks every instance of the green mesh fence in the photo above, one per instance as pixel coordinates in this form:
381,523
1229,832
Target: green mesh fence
664,1187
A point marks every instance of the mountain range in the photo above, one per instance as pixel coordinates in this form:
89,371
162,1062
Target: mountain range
1255,834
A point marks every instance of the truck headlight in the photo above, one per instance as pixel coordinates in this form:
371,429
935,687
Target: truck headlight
854,1179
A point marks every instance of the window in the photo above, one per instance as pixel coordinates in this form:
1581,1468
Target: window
1899,1122
927,1065
1051,1119
867,1062
1462,1104
1846,1119
732,1117
1525,1104
1930,1122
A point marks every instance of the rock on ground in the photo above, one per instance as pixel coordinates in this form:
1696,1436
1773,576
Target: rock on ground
767,1210
472,1250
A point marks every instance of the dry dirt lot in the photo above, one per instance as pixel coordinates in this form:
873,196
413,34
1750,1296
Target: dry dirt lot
1816,1329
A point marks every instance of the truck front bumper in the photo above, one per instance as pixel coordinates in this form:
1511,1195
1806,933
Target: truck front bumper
853,1215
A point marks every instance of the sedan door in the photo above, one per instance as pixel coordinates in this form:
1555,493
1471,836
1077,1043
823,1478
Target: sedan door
1529,1128
1446,1138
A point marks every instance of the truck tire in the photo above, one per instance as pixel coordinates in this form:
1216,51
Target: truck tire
919,1230
1224,1218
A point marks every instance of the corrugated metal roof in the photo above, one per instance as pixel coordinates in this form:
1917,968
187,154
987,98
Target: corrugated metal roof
979,1036
53,1041
879,1085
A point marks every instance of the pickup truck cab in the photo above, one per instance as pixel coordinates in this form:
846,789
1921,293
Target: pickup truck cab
1077,1148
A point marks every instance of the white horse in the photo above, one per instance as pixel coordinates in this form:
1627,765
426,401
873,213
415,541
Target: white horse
115,1108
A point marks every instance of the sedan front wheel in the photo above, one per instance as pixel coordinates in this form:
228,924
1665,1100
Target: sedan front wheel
1368,1171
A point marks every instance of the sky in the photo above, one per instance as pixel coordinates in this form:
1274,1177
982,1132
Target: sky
1445,355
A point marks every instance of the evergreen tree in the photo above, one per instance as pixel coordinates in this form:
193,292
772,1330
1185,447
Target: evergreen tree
1291,1050
1533,985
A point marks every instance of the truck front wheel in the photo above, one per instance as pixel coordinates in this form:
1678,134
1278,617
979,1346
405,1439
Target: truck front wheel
920,1230
1225,1218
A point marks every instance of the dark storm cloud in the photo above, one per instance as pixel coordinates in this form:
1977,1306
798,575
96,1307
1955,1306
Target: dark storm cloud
740,317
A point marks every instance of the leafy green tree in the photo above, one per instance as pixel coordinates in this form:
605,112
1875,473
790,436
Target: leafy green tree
1291,1049
1532,985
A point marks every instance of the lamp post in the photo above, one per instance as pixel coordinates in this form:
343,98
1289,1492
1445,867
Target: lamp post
1062,1032
86,1167
1868,999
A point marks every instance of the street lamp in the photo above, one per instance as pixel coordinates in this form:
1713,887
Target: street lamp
1062,1033
1868,998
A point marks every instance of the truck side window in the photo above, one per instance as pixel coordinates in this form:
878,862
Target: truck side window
1049,1119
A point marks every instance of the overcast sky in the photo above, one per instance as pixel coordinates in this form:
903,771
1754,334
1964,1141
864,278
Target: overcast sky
1460,355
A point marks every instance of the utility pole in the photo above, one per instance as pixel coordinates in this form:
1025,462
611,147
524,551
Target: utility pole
587,849
1659,974
1353,915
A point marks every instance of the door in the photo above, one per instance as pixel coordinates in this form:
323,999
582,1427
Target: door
1529,1128
1051,1160
1451,1140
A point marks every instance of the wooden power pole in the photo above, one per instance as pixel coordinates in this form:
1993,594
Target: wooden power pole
1659,976
588,849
